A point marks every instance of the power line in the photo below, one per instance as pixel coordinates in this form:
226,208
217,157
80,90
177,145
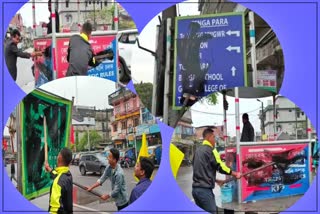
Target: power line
221,114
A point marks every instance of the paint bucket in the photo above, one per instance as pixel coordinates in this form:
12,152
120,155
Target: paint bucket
226,193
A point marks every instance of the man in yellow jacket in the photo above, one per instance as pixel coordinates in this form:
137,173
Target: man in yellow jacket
206,163
61,201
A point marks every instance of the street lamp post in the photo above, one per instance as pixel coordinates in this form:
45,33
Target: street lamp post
262,118
88,137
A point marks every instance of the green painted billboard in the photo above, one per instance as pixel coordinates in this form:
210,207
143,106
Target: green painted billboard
34,107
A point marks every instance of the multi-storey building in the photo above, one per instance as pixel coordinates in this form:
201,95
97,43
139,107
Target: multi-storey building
126,111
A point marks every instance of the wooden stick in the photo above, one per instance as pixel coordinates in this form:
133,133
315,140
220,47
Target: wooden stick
45,140
85,188
247,173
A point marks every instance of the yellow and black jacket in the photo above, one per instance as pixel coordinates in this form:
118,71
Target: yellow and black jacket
61,191
206,163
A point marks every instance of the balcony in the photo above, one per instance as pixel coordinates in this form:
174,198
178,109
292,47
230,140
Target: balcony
118,95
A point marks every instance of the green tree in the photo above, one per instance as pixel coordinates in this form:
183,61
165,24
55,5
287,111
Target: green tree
211,99
144,91
106,15
95,139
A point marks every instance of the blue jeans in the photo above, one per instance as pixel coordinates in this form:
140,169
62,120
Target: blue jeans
205,199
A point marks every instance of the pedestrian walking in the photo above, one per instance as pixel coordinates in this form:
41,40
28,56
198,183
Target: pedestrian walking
80,54
12,53
143,171
206,163
61,200
115,173
247,134
13,171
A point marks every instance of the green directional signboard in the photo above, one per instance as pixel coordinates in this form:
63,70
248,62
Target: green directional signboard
57,111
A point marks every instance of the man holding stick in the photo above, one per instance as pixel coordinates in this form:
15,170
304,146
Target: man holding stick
118,183
61,189
206,163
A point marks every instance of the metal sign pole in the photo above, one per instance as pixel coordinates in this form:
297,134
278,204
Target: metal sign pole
274,118
167,74
34,17
54,57
225,133
252,34
78,14
309,129
237,111
155,77
116,28
19,147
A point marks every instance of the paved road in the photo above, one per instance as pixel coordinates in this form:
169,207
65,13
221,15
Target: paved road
25,78
83,200
184,180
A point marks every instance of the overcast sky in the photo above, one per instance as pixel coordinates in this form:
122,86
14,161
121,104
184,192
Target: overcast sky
204,114
143,62
42,12
92,91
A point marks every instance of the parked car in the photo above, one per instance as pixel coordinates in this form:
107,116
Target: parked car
92,162
155,153
126,42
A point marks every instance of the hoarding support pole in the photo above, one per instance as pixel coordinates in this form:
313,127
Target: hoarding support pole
309,129
167,73
274,117
34,17
237,111
252,34
225,133
116,28
54,42
88,138
78,14
19,148
155,77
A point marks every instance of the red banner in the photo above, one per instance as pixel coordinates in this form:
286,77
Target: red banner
98,43
286,172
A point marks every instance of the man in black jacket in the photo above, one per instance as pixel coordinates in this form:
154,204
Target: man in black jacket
247,134
61,200
12,53
206,163
80,54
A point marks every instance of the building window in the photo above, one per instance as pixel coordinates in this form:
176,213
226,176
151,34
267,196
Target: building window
136,122
117,109
123,125
115,127
127,106
134,102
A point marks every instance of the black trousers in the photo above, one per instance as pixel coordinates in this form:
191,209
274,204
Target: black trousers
123,206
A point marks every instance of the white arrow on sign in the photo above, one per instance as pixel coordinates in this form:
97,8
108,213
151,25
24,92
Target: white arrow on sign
233,69
237,33
230,48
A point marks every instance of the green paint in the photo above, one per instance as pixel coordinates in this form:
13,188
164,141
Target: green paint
35,180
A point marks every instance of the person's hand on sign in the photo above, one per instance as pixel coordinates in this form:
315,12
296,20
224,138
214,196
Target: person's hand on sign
220,182
237,175
47,167
105,197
